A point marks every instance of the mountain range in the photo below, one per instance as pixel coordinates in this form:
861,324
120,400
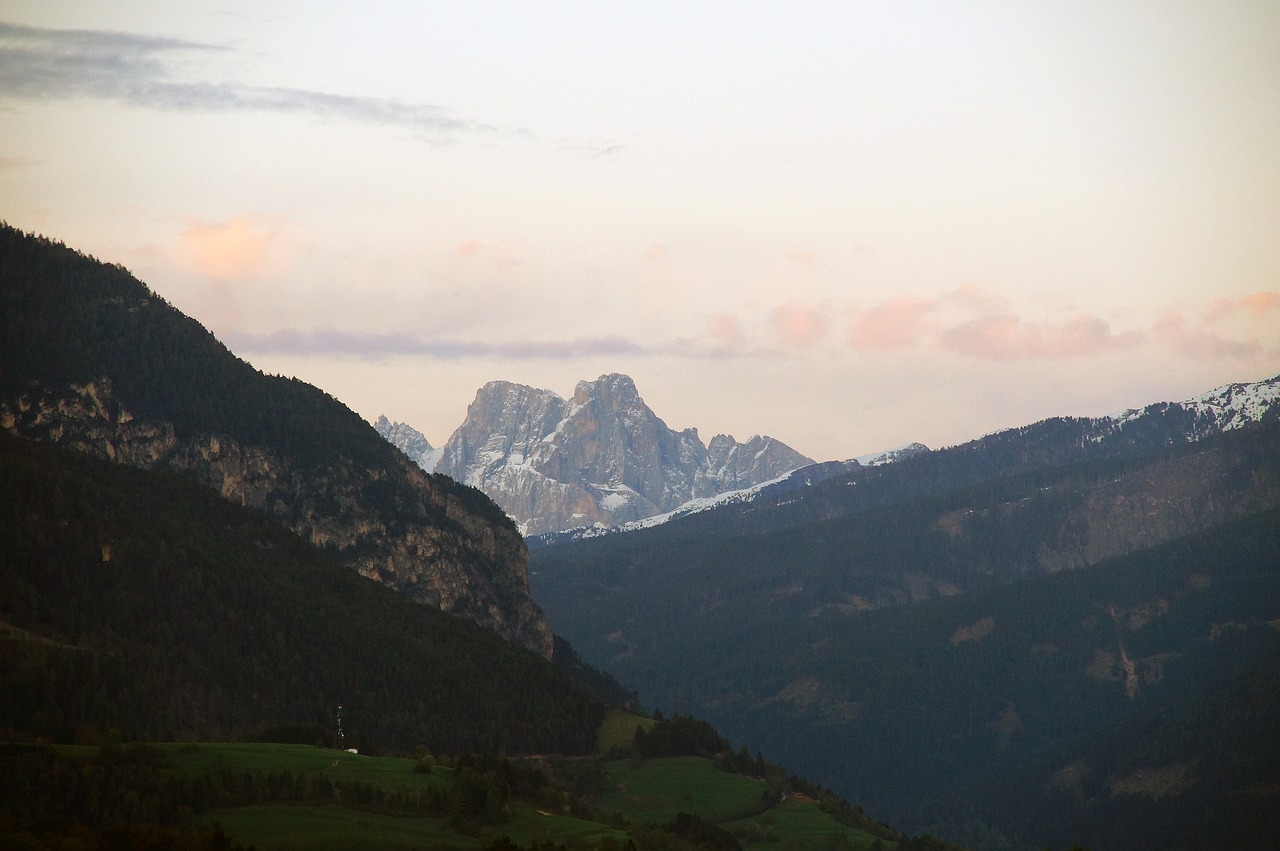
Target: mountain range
1066,633
1003,642
600,458
192,551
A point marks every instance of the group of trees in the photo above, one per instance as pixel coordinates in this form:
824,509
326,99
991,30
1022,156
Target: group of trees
921,710
145,604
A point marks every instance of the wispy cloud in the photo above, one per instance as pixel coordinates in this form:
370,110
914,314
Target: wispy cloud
1173,329
504,253
137,70
236,248
798,326
1256,304
893,324
1008,337
7,163
725,333
345,344
1261,303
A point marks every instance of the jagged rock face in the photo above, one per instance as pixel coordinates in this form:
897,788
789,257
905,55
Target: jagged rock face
398,525
410,441
602,457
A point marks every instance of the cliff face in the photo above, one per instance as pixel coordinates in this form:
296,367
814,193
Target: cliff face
600,458
396,524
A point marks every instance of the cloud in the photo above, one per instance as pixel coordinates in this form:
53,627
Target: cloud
505,252
1256,304
8,163
1172,329
976,299
1261,303
725,332
39,64
802,258
592,150
1005,337
238,248
655,253
798,327
338,343
894,324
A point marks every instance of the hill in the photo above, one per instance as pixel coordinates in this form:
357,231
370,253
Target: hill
922,650
91,359
141,604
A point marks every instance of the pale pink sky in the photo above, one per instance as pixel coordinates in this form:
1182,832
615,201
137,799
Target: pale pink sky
846,225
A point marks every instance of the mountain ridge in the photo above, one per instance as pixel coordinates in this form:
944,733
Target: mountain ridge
601,457
884,628
94,360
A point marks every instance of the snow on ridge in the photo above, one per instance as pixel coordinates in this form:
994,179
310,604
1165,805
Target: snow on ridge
428,460
1230,406
615,496
876,459
733,497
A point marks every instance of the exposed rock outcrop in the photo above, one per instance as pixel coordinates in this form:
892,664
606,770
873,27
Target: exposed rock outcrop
600,458
396,524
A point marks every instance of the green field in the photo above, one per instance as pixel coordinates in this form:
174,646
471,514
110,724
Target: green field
265,795
619,729
287,827
655,790
798,823
391,773
651,791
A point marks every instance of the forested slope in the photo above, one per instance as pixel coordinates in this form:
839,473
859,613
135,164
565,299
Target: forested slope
143,605
917,657
92,359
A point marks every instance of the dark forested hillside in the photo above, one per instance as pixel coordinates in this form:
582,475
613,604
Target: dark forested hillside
91,359
918,656
140,604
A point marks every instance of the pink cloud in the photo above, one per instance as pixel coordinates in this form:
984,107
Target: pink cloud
237,248
802,258
973,297
725,332
654,253
1172,329
1005,337
1261,303
798,327
893,324
503,253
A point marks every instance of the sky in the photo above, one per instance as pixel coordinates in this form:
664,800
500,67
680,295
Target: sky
846,225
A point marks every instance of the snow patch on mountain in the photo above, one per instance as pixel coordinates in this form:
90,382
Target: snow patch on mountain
1224,408
410,441
601,456
799,478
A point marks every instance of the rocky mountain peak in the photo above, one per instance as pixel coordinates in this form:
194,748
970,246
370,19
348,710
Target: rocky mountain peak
614,390
602,457
410,441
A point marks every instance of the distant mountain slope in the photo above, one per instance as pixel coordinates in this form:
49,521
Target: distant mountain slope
410,441
1055,442
802,477
600,458
839,643
92,359
142,602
